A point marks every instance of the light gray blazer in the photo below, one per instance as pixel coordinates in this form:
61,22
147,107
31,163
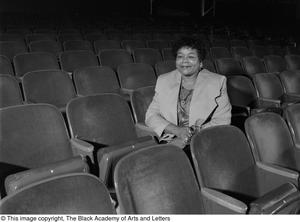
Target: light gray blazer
209,100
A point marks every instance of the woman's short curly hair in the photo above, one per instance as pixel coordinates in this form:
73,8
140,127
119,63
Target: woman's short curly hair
192,43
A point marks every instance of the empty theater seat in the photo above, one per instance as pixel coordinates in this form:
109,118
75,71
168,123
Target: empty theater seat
164,67
114,57
72,60
157,180
290,81
77,45
232,181
275,63
271,141
33,61
48,86
10,91
105,121
5,66
67,194
253,65
228,66
292,117
219,52
49,46
293,62
35,145
12,48
269,88
106,44
240,52
135,75
130,45
95,80
147,55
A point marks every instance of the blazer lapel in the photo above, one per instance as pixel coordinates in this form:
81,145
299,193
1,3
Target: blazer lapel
203,99
173,98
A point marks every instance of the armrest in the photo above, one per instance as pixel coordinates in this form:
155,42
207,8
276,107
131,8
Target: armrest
276,200
109,156
239,109
291,98
16,181
82,148
220,203
272,176
264,102
143,130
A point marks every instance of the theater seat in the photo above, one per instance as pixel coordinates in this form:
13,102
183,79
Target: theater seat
275,63
5,66
33,61
147,55
253,65
228,66
290,81
292,117
164,67
232,182
75,193
35,145
95,80
10,91
269,88
271,141
48,86
293,62
157,180
105,121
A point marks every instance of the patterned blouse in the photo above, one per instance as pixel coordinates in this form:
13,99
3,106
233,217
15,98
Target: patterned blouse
183,106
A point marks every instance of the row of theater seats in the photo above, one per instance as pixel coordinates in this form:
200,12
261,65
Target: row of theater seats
234,173
95,46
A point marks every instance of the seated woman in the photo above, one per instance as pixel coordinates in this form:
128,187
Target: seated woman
189,98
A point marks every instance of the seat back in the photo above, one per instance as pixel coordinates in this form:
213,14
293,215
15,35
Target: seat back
238,43
10,91
48,86
5,66
268,85
114,57
223,160
105,119
136,75
106,44
130,45
290,81
72,60
39,36
241,91
94,36
164,67
240,52
77,193
77,45
292,117
62,37
33,61
49,46
228,66
140,101
150,181
33,135
95,80
219,52
147,55
167,54
12,48
253,65
275,63
209,65
293,62
271,140
259,51
157,44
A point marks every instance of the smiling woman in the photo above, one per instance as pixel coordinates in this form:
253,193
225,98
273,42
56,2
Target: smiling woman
189,98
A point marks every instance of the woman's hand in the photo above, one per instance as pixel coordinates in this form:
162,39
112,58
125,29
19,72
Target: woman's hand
179,132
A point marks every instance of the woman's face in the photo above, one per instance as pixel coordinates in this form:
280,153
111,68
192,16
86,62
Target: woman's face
187,61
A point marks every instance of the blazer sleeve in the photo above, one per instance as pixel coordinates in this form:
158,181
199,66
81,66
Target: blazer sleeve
222,113
153,117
